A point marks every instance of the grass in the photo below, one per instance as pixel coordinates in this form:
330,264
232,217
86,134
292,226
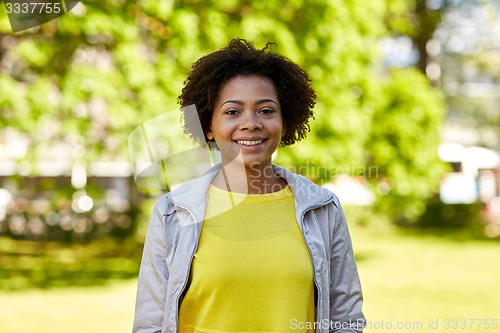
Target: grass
27,265
428,283
90,309
422,282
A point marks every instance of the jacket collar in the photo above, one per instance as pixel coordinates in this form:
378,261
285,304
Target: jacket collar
305,192
192,195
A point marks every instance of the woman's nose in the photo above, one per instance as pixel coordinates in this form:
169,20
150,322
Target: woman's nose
250,122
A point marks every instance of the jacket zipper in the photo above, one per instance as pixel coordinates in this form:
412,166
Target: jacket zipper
316,283
187,275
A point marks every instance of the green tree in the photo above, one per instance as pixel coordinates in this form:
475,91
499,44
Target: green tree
458,39
470,71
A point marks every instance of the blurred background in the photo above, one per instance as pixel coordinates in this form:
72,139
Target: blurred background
406,132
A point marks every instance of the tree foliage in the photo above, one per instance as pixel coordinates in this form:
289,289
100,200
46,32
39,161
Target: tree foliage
459,39
89,78
470,70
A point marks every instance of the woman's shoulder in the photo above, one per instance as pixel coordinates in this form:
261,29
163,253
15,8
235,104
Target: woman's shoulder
164,204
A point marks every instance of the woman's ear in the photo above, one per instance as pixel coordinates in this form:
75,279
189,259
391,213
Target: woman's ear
210,135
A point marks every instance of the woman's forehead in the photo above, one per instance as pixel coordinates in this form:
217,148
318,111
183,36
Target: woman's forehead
244,87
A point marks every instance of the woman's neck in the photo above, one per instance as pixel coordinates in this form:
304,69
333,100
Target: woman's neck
253,179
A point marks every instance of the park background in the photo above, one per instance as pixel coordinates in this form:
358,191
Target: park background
406,132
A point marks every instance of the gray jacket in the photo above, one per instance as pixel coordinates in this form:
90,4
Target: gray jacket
172,239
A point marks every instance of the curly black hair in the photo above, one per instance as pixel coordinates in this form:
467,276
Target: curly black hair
240,58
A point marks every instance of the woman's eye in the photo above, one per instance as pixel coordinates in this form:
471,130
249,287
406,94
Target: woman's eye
267,111
231,111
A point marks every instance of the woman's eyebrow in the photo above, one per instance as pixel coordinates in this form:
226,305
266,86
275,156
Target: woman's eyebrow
231,101
260,101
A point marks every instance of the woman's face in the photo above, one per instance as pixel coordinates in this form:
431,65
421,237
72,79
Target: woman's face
247,120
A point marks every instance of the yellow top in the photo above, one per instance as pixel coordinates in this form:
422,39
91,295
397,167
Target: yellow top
252,271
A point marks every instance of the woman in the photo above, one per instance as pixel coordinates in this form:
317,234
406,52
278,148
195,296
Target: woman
249,246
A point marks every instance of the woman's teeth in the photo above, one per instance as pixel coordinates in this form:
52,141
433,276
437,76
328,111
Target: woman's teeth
250,143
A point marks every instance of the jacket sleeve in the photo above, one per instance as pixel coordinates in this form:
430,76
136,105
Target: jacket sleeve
153,277
345,288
